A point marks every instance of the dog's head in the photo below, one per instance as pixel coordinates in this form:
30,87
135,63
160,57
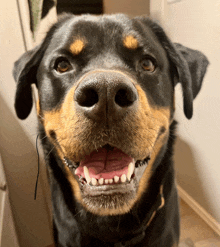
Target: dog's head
106,102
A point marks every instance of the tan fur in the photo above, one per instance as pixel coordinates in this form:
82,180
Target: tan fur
151,218
161,205
162,197
39,113
77,46
130,42
38,107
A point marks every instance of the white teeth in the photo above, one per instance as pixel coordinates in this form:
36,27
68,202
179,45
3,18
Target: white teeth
86,173
116,179
101,181
123,178
130,170
94,181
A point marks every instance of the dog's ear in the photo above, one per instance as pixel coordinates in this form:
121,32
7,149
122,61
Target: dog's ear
24,72
188,67
197,63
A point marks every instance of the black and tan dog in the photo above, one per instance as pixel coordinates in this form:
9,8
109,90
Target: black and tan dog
105,109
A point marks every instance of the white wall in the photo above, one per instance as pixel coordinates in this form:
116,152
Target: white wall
8,236
17,141
196,24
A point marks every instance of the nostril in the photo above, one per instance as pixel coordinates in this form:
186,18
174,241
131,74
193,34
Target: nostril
125,97
87,97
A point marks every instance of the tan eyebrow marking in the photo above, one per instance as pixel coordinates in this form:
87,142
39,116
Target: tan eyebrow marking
77,46
130,42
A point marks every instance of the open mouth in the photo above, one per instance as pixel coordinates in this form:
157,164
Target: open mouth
107,166
108,180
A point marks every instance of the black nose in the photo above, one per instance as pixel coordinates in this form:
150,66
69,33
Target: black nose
106,95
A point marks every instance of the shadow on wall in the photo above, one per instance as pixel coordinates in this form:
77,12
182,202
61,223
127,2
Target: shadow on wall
188,175
20,163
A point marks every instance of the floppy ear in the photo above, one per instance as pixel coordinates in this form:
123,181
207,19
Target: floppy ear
188,67
197,63
24,73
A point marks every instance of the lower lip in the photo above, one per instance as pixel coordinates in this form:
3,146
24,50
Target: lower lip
121,188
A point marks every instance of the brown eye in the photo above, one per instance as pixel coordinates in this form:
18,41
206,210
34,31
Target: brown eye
148,65
62,65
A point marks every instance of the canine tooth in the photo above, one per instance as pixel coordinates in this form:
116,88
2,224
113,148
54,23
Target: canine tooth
101,181
86,173
130,170
116,179
106,181
94,181
123,178
110,181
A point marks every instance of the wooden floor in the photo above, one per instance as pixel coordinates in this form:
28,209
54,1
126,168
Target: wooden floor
194,229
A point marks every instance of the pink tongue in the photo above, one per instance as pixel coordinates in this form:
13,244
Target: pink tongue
105,164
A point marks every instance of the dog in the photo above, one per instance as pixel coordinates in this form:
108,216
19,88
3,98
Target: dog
106,122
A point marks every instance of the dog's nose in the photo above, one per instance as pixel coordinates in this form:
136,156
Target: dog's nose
106,95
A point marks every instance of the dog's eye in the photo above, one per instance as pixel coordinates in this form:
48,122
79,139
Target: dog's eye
148,64
62,65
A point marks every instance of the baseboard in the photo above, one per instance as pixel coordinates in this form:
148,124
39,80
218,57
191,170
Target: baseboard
199,210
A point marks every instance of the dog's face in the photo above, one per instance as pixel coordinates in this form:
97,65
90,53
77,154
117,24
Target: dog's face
106,101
